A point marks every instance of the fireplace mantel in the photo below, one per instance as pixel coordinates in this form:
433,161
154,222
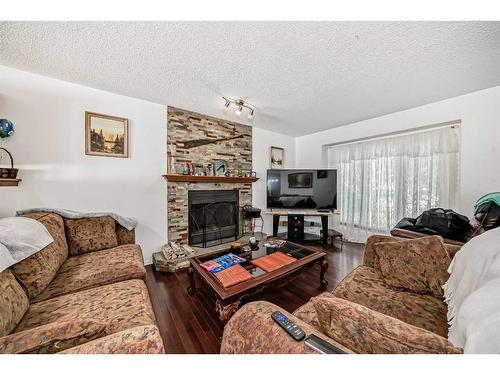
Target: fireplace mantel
213,179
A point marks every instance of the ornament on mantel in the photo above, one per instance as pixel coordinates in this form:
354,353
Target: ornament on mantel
6,128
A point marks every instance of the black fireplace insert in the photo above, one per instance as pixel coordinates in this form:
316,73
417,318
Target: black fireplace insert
213,217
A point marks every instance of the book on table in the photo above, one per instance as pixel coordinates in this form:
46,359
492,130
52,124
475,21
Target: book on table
273,261
233,275
221,263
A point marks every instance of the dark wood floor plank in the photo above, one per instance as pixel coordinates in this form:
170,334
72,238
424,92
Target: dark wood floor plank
190,325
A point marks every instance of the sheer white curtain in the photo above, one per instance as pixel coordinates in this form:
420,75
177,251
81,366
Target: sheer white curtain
383,180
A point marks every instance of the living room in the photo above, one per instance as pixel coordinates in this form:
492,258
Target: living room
249,187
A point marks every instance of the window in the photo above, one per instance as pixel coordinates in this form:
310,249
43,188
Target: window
383,180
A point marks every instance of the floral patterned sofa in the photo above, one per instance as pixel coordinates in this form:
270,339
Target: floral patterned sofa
83,293
362,315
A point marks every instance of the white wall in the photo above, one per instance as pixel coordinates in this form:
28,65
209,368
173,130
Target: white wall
480,139
261,148
48,147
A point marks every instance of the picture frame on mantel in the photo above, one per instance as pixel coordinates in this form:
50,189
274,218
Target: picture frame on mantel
277,157
106,135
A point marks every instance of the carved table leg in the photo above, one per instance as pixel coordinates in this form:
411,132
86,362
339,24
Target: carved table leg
226,311
192,281
324,266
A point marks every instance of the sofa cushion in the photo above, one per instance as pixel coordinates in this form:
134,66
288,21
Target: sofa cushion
418,265
90,234
120,306
95,269
307,312
366,286
367,331
52,337
137,340
38,270
13,302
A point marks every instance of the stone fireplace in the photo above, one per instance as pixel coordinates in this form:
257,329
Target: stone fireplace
189,203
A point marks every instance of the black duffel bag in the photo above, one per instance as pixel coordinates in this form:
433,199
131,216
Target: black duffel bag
446,223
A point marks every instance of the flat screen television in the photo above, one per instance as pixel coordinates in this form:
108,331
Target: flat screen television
302,188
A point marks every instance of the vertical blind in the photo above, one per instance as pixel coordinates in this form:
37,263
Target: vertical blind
383,180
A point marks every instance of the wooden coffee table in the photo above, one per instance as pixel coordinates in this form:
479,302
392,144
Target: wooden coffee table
227,300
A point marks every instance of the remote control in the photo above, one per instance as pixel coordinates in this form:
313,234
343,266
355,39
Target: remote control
290,327
322,346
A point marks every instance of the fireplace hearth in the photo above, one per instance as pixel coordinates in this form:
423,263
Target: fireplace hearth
213,217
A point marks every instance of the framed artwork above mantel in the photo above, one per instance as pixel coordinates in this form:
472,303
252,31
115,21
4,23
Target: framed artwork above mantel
277,157
106,135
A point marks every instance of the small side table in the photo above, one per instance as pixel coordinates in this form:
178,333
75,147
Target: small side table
332,235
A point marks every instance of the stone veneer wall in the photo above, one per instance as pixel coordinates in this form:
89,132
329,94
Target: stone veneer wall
184,125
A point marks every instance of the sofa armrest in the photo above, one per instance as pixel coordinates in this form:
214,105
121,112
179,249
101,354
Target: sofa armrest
137,340
409,234
52,337
124,236
252,331
368,331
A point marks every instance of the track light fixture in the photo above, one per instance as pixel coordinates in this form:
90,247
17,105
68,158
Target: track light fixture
240,104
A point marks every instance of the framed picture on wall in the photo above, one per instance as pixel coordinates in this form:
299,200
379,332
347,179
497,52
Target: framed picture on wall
277,157
106,135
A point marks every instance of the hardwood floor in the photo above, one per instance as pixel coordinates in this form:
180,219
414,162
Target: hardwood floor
189,325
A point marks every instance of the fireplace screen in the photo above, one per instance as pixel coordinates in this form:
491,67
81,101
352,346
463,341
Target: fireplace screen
213,217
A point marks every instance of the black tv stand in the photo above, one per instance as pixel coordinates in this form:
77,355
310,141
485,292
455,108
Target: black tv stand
296,223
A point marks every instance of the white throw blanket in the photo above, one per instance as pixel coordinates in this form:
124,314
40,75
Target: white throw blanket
21,237
126,222
473,295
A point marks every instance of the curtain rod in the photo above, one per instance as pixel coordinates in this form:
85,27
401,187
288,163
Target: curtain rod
399,132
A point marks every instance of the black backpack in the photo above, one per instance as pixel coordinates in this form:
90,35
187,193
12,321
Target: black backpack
446,223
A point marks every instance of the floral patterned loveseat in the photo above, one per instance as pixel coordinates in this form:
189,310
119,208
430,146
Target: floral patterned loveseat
366,315
83,293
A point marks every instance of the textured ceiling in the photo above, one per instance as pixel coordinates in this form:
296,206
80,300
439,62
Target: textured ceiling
303,77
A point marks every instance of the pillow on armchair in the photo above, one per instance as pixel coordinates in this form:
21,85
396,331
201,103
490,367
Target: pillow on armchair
419,265
367,331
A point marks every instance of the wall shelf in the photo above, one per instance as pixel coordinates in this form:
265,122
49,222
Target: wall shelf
212,179
10,181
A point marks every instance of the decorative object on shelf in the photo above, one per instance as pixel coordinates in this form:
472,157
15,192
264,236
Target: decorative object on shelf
220,168
208,170
277,157
106,135
190,169
239,105
6,128
253,174
8,172
199,170
254,243
236,247
171,165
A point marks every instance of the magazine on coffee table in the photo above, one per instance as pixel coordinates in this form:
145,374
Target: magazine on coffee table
221,263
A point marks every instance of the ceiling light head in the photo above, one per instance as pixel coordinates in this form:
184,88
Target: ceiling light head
240,105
